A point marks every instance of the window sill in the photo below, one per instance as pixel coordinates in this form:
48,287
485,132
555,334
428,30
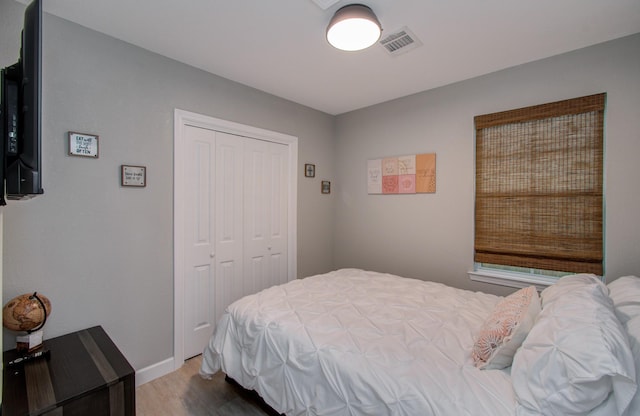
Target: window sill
518,280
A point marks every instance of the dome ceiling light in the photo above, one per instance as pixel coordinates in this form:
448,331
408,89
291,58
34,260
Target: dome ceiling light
354,27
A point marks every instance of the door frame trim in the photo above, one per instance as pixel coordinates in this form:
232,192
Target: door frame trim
182,119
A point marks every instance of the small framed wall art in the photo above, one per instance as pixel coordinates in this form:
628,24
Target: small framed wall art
82,144
309,170
326,187
133,175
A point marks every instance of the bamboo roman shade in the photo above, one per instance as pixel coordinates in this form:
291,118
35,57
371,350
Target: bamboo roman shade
539,181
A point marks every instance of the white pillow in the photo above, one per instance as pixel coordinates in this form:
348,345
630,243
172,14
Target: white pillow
625,293
575,356
568,283
633,331
504,330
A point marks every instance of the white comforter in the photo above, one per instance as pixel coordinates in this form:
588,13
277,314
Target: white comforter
353,342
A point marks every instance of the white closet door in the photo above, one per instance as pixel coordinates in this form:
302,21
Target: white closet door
228,220
278,230
265,214
199,270
236,225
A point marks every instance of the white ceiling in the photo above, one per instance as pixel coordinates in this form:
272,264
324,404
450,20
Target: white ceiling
278,46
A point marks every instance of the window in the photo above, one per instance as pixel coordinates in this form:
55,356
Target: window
539,188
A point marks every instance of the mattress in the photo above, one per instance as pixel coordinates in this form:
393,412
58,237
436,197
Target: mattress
354,342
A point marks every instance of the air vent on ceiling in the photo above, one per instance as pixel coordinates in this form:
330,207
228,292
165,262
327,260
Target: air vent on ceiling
325,4
400,41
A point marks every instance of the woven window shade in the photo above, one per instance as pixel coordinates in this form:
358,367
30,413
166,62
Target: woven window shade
539,198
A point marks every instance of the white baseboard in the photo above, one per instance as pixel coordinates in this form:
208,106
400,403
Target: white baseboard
147,374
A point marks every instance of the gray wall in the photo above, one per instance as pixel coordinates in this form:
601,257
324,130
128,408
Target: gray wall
430,236
103,253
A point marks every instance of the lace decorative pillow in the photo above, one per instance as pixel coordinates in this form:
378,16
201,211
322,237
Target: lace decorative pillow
505,329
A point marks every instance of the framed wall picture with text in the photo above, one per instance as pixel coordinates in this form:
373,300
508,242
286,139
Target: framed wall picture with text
133,176
83,144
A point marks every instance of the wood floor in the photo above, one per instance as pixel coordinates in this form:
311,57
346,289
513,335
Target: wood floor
185,393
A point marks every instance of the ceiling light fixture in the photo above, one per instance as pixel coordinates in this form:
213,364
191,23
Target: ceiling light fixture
354,27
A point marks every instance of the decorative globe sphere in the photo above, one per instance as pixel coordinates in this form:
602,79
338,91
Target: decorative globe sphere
25,312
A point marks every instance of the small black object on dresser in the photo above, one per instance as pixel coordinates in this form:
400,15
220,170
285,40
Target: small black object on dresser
84,373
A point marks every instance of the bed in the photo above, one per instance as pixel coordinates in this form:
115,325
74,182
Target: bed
355,342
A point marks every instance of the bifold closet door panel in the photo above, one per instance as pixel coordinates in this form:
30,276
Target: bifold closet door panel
229,228
265,215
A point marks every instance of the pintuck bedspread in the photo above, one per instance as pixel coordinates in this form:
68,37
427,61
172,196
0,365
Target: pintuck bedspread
353,342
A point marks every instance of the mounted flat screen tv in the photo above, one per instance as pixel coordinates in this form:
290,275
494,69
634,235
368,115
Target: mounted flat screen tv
21,113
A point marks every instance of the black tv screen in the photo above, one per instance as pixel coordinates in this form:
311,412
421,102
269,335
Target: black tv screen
21,112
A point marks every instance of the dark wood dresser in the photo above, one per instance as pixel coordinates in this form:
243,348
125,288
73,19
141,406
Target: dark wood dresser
85,374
